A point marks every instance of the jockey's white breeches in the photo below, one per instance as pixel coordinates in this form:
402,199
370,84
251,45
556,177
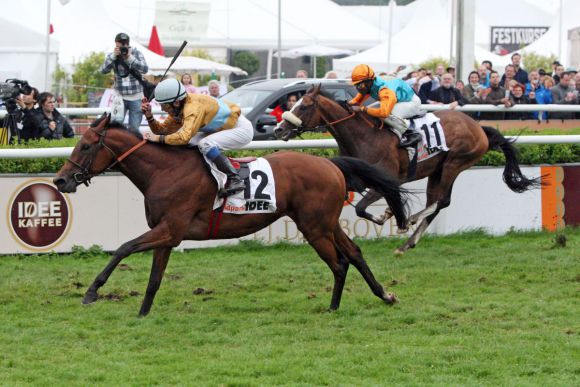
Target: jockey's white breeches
405,109
226,139
408,109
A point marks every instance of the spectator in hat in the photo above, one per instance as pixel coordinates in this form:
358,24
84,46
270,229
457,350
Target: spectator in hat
542,74
521,75
572,71
451,70
555,64
125,61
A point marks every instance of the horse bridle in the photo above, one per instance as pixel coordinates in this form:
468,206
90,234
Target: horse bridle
299,129
84,176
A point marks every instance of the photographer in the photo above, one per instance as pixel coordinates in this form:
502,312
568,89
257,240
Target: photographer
26,115
49,122
125,61
18,98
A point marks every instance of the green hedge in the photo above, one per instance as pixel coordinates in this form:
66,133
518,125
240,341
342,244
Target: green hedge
529,154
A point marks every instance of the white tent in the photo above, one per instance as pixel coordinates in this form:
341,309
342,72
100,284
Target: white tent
250,24
428,34
158,63
23,54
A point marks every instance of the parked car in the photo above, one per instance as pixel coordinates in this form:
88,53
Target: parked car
258,99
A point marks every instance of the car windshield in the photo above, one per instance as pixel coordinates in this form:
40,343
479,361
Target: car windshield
246,98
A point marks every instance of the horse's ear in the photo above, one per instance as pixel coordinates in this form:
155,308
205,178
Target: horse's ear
107,119
317,89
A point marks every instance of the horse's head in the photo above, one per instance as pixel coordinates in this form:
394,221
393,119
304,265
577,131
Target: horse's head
90,157
308,115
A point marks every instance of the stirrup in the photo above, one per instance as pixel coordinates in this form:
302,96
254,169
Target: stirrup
232,188
411,139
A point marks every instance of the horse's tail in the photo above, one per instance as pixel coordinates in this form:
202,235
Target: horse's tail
512,175
360,175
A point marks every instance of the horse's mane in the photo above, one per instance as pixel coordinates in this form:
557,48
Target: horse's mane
116,125
344,104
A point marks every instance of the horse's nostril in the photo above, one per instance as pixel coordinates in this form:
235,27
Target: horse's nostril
58,181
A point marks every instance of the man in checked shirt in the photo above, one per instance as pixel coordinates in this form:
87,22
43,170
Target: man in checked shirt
123,59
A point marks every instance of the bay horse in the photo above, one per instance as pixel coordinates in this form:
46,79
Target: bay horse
179,193
360,135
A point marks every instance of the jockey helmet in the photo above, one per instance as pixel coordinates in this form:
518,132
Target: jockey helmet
361,73
169,91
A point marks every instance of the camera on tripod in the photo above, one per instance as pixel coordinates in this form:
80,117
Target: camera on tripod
11,90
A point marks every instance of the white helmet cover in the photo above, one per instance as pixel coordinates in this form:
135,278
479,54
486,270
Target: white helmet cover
169,91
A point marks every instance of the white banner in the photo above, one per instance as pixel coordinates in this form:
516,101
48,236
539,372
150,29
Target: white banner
111,212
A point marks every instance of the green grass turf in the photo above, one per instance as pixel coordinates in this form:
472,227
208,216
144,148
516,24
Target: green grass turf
475,310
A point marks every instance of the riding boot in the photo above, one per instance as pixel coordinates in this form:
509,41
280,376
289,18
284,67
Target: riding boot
410,138
234,182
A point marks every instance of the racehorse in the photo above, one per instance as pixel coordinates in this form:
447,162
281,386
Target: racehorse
179,193
360,135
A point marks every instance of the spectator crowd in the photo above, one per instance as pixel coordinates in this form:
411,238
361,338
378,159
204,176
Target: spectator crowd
38,118
486,86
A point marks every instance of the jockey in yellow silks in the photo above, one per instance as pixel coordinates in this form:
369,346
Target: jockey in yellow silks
395,100
212,124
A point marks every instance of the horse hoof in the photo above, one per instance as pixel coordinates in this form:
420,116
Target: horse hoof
90,297
402,230
391,299
399,251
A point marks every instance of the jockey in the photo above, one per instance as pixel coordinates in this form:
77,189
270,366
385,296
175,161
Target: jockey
212,124
395,100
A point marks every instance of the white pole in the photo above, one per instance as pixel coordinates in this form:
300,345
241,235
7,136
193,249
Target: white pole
560,31
391,11
269,64
47,61
139,21
453,16
279,38
314,72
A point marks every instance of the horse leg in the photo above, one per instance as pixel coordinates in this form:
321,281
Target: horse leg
435,203
325,248
157,237
160,259
346,247
371,197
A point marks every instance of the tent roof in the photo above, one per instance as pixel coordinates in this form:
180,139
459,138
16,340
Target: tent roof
303,22
428,33
23,39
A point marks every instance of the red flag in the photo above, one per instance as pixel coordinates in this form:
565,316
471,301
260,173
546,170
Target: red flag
51,29
155,43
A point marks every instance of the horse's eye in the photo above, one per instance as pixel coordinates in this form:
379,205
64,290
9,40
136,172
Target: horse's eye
85,147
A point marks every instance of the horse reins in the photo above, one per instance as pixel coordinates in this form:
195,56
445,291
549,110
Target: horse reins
84,176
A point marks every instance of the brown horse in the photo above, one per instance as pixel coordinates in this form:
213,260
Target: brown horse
180,191
359,135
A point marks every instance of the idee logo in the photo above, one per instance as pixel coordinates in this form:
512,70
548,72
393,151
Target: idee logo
38,215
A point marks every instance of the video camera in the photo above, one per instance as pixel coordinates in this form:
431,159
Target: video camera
11,90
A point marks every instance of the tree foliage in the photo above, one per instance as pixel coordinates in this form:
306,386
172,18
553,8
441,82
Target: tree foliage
86,75
431,63
532,61
247,61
